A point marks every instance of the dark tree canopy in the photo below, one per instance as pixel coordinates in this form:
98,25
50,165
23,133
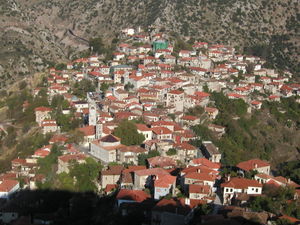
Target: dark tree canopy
128,133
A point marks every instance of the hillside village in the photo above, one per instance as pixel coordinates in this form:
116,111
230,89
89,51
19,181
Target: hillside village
150,89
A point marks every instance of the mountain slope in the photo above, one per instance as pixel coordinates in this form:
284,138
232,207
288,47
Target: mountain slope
34,33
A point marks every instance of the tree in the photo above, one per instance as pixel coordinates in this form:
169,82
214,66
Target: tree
82,87
46,163
128,86
128,133
61,66
76,136
85,175
171,151
65,182
97,45
205,88
104,87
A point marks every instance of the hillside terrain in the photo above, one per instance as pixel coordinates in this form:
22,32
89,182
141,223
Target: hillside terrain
34,34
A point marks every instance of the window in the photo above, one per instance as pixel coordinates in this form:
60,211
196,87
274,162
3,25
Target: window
226,189
231,190
256,190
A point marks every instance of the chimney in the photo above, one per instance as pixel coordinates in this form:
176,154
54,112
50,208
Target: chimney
255,165
228,177
187,201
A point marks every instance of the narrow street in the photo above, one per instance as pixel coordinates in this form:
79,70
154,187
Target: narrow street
217,203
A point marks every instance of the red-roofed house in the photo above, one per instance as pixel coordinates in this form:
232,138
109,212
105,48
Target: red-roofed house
58,139
49,126
205,162
199,192
163,185
160,161
186,151
111,175
125,195
89,134
199,178
255,164
129,154
256,104
211,112
190,120
238,185
8,187
105,148
143,178
162,133
42,152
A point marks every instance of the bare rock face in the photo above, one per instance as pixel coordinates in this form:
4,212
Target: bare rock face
40,29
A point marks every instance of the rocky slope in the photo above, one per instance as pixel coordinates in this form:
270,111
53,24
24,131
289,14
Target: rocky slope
35,32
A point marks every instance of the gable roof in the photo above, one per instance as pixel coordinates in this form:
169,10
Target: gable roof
8,185
134,195
43,109
206,162
110,138
148,172
165,181
200,176
241,183
88,130
252,164
161,161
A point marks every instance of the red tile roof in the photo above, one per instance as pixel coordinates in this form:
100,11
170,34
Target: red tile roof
134,195
43,109
88,130
199,189
161,161
176,206
202,94
241,183
110,187
8,185
143,127
186,146
136,149
161,130
190,118
58,138
252,164
201,176
291,219
67,158
148,172
165,181
206,162
176,92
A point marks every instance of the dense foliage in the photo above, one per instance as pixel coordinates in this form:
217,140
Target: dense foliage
290,170
128,133
277,201
82,87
